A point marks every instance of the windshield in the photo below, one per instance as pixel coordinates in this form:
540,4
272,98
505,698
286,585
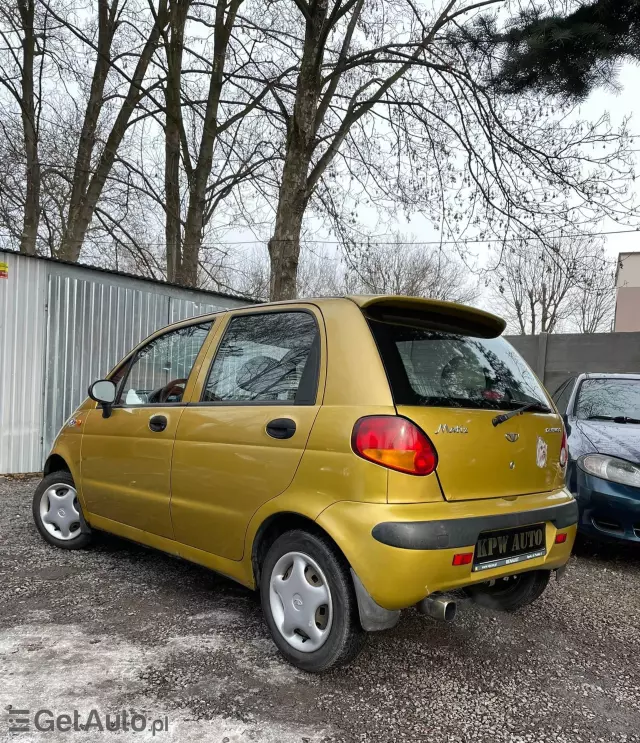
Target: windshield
608,398
428,367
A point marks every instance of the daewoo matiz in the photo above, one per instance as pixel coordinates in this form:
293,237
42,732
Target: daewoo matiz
348,457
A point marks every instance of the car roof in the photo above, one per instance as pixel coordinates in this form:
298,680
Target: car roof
607,375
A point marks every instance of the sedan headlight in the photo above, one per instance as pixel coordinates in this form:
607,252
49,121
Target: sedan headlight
611,468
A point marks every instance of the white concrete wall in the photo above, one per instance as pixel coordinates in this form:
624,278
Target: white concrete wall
628,273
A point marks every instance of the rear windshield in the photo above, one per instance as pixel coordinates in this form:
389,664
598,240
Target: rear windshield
609,398
429,367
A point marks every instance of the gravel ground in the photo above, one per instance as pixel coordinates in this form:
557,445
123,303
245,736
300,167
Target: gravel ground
122,627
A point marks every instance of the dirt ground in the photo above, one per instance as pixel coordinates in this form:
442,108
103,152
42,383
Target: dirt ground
122,627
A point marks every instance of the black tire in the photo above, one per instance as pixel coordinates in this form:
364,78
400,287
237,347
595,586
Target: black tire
511,593
346,637
84,538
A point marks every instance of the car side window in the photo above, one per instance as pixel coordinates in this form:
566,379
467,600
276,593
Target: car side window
159,372
271,357
557,394
562,395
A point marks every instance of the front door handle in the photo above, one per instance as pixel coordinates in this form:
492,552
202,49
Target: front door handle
157,423
281,428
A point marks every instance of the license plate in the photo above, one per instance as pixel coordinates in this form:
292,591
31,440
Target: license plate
509,546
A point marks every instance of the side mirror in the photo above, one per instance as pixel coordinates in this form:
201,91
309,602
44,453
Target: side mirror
104,392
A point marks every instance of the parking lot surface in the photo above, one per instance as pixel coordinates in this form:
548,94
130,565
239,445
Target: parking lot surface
119,627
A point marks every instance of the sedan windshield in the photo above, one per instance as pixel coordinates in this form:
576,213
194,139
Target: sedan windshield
429,367
609,399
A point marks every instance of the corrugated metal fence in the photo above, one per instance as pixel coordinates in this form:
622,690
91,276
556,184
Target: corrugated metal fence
63,326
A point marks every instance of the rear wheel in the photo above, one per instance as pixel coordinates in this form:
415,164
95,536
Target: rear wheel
309,602
512,592
57,512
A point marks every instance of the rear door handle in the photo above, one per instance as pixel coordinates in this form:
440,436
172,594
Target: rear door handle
281,428
157,423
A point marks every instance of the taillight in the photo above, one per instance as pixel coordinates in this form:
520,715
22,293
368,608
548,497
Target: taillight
394,442
564,449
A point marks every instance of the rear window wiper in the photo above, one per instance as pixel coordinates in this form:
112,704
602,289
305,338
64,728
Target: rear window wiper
538,407
614,418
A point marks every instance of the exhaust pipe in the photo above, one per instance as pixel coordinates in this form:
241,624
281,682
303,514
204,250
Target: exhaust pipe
438,607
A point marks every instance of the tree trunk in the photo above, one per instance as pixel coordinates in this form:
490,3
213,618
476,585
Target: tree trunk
195,223
76,228
71,242
284,246
31,217
174,47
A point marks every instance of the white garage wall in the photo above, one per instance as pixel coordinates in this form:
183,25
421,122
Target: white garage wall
22,336
63,326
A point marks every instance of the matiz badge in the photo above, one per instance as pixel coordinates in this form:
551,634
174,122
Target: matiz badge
541,452
444,428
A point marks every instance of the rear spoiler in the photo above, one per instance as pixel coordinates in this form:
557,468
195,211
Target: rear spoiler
433,314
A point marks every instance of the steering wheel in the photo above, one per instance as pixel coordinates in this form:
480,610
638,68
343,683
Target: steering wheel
175,387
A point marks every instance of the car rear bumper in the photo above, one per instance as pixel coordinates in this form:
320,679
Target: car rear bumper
608,510
458,533
404,552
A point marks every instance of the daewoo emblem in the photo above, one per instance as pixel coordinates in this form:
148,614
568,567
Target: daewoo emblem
444,428
512,437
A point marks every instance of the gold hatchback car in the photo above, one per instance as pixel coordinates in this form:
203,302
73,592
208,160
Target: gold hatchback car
348,457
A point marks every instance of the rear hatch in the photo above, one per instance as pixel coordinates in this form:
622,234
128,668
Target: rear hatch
452,376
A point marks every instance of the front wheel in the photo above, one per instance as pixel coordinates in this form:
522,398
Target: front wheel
57,512
512,592
309,602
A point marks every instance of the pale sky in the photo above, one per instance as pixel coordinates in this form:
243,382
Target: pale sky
624,103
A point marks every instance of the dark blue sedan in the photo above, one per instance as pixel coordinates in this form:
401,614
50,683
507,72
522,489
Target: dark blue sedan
602,418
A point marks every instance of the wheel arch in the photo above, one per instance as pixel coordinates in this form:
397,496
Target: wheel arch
277,524
55,463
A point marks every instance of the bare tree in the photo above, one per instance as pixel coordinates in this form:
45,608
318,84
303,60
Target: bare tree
594,300
408,268
95,156
541,291
23,32
168,124
399,266
237,80
391,106
173,38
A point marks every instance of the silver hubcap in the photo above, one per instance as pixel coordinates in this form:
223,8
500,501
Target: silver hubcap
300,602
59,511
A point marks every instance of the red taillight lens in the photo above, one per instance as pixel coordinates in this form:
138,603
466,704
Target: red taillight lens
564,449
394,442
462,558
561,538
